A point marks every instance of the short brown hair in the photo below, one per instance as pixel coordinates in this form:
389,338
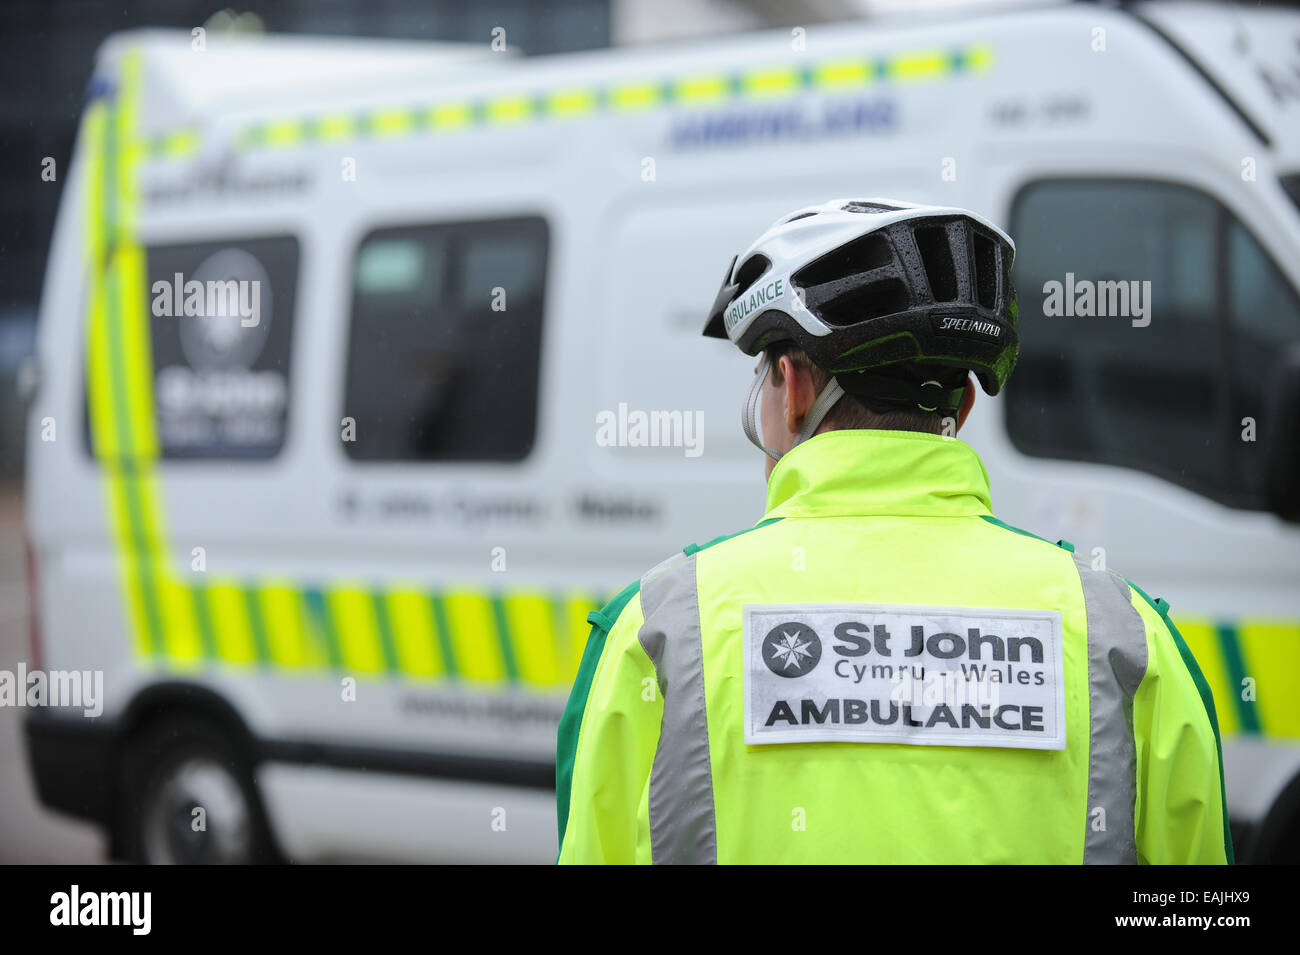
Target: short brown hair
848,413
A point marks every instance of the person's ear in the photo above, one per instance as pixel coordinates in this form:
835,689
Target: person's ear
796,400
967,402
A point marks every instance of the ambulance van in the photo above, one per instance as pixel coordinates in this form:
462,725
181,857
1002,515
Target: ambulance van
367,371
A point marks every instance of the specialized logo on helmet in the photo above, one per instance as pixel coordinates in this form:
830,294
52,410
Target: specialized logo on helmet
792,649
950,323
744,307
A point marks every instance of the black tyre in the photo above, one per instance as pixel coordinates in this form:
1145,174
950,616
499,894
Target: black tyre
188,797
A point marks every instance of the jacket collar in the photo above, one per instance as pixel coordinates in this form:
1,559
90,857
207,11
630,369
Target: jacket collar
899,473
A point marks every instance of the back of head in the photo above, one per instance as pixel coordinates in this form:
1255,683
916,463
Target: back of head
889,302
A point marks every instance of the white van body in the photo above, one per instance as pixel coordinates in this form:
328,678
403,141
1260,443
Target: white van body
648,170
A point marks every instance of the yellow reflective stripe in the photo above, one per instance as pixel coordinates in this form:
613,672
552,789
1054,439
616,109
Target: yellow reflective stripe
125,118
474,639
291,643
701,89
137,350
913,66
358,631
283,132
142,482
99,372
415,633
184,142
1271,653
128,559
450,115
531,625
564,103
1202,639
771,82
99,382
632,96
838,74
135,152
334,127
182,643
391,122
979,58
575,629
92,135
232,630
509,109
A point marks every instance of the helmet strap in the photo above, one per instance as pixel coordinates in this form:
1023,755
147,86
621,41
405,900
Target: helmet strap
749,412
820,409
884,394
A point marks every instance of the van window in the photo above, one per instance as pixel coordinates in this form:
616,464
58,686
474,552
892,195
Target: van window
221,324
1264,312
1158,371
445,340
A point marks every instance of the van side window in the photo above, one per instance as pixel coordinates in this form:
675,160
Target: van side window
445,341
1150,323
1264,312
221,318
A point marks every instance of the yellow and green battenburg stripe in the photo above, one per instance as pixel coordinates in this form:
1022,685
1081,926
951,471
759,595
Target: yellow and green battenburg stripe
119,372
624,96
1253,668
526,638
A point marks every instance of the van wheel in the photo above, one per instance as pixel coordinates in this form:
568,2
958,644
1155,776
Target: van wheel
189,797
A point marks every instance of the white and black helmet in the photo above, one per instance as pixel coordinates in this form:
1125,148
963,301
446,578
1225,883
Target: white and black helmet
895,300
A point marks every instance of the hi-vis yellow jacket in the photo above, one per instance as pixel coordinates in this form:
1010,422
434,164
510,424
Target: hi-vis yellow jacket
881,671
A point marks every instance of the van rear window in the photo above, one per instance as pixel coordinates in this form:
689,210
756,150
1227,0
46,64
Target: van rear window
220,323
444,343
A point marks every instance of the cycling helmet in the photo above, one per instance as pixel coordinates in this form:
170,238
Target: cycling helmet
896,301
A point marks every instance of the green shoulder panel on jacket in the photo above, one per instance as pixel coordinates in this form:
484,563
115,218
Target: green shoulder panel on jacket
691,549
602,622
1063,544
1207,700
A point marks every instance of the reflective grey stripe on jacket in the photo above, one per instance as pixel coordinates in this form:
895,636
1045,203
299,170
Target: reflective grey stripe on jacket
682,822
1117,662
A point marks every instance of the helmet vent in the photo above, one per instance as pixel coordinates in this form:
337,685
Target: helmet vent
871,301
750,272
853,258
936,254
986,270
800,215
858,206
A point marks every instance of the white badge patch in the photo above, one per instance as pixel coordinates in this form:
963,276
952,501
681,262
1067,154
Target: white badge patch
937,676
